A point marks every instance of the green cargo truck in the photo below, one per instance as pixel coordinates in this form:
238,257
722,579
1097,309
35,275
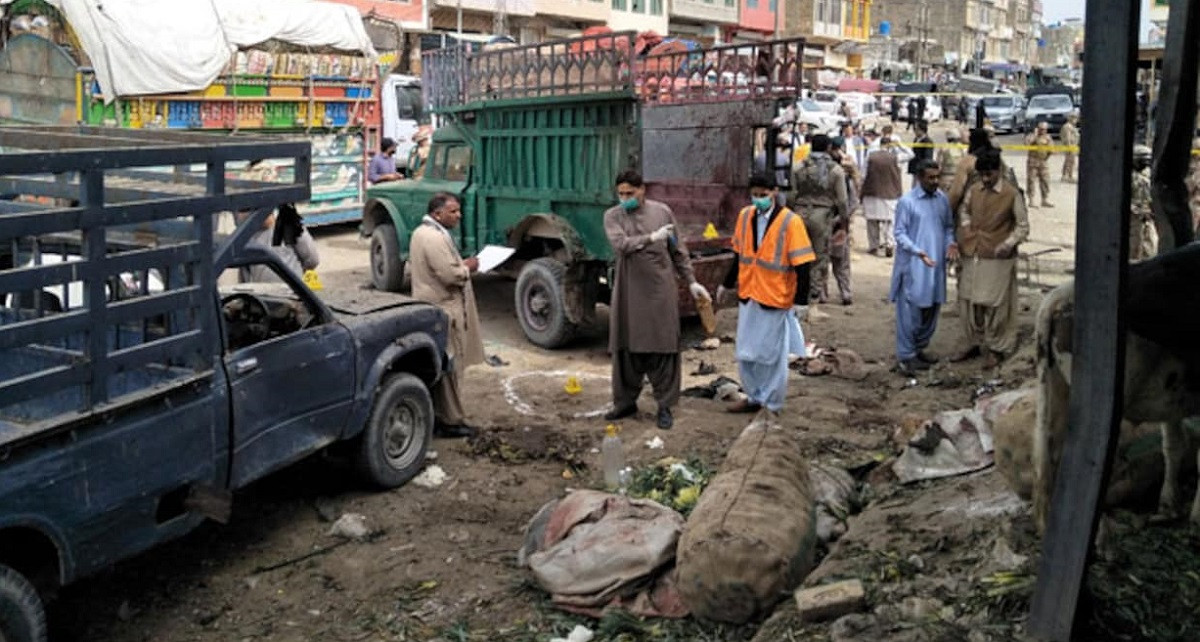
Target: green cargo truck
532,138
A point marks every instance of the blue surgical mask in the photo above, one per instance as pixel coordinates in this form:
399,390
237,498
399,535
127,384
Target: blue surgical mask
762,203
630,204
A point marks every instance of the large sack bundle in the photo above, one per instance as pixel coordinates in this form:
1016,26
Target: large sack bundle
752,536
592,550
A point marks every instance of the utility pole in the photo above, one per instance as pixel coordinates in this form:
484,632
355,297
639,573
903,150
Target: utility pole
500,18
460,20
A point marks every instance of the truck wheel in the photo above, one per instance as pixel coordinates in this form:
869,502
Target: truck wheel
541,303
387,268
22,618
393,444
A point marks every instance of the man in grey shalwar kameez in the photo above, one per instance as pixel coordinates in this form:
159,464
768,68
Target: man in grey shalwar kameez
924,234
644,312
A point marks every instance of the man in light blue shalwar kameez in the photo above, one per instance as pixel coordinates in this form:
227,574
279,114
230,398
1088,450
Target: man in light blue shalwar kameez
924,232
771,277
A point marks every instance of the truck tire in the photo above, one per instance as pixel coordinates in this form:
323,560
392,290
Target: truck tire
387,268
392,447
541,303
22,618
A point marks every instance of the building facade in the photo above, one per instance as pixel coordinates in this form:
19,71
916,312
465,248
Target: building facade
706,21
836,33
1062,42
997,35
639,15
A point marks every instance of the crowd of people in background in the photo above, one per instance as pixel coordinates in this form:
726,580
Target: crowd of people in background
964,209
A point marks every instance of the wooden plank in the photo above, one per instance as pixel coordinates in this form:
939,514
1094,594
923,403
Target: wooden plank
1102,236
1175,126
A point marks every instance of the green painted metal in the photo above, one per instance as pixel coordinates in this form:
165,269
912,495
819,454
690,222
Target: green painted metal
525,157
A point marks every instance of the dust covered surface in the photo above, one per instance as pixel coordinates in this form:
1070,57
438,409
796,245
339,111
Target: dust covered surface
944,560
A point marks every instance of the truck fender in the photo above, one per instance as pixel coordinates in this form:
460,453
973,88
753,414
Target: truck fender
549,226
46,529
378,212
415,348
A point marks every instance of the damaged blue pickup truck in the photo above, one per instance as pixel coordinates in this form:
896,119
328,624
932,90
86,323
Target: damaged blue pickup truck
144,376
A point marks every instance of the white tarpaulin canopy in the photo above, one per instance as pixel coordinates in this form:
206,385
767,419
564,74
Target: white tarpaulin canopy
140,47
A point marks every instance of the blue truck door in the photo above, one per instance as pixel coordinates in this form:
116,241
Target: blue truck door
290,394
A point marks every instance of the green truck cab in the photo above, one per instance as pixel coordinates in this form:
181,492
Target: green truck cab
532,138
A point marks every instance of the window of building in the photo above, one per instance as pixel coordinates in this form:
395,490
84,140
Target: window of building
835,12
730,3
656,7
751,4
822,10
619,5
772,5
637,6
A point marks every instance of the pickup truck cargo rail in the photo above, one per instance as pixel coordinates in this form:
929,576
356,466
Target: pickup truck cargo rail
79,211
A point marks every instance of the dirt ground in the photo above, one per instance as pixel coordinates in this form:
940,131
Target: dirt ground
442,565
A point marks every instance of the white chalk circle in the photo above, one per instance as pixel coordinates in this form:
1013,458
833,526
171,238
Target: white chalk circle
556,380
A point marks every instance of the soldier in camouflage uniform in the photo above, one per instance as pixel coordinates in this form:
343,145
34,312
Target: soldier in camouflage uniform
948,158
1069,136
1037,172
819,196
1142,241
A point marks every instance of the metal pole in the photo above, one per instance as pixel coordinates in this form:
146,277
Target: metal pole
1097,382
460,19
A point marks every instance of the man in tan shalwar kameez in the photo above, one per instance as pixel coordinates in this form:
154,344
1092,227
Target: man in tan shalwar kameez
644,310
992,223
442,277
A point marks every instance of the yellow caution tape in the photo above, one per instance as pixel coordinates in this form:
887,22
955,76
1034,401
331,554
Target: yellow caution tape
1074,149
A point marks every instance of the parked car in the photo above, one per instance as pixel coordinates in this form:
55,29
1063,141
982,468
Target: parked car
827,100
132,406
1051,108
1006,112
811,114
862,106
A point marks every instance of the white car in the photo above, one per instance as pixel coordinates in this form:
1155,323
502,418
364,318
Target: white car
826,100
810,113
862,106
57,298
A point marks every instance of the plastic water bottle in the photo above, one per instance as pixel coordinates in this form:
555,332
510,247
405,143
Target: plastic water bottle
612,458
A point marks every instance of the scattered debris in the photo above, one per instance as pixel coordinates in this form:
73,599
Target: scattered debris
830,601
327,509
656,444
518,445
671,482
987,388
578,634
711,343
432,477
431,455
496,362
720,389
351,526
704,369
836,494
844,364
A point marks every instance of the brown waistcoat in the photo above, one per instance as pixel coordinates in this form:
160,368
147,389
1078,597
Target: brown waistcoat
883,176
991,217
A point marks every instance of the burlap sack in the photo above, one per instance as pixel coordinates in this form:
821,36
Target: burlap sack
752,537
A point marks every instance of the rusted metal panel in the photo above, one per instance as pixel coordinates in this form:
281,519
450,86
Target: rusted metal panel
38,80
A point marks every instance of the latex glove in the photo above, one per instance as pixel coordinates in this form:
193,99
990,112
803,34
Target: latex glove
662,233
699,292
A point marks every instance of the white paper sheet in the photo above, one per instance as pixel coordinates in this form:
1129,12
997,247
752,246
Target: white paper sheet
491,256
